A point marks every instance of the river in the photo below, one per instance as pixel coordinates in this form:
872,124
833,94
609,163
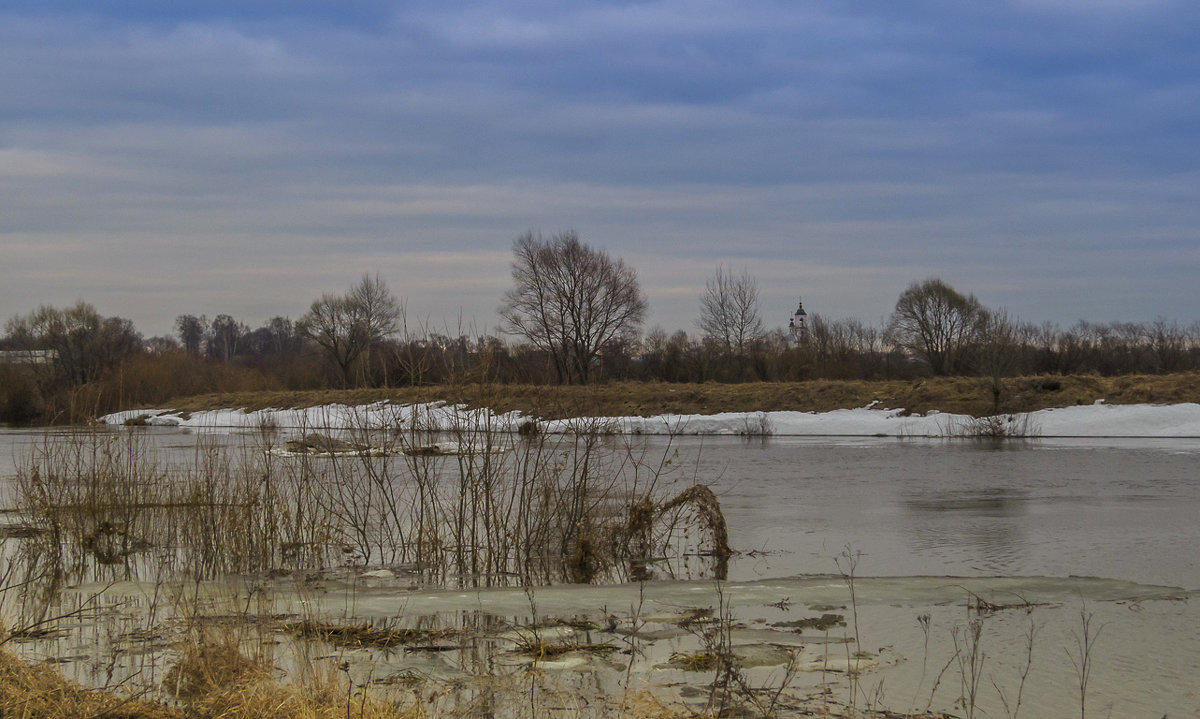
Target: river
1072,527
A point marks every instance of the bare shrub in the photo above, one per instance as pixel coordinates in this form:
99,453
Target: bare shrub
1001,426
1081,658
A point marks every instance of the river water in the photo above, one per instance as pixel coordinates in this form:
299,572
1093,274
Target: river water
1123,509
1106,527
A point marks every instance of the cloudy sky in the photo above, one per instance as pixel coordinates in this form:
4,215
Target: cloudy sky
244,156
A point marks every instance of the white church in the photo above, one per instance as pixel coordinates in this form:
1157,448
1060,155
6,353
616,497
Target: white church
798,325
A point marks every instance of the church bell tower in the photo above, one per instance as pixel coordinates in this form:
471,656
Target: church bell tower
798,325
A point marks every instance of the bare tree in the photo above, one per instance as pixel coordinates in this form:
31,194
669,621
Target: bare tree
570,300
279,337
937,324
347,326
998,355
1168,345
729,310
225,335
191,332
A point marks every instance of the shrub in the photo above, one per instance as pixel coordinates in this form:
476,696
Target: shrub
20,400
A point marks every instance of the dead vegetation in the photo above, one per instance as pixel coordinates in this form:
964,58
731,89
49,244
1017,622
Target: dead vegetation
366,635
548,508
205,668
982,606
822,623
41,692
541,650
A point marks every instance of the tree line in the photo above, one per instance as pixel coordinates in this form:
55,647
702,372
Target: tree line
574,314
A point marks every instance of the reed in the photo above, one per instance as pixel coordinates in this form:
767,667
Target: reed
451,496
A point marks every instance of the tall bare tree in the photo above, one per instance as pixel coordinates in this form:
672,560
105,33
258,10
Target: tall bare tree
570,300
937,324
347,326
729,310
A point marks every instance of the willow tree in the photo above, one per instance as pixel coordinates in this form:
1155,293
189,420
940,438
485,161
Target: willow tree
570,300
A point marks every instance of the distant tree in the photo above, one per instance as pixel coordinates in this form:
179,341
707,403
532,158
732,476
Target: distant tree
729,311
83,343
937,324
347,326
191,331
1169,343
570,300
999,351
161,343
670,358
276,340
224,334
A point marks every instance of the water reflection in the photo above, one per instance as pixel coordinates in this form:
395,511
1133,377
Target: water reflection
981,527
989,502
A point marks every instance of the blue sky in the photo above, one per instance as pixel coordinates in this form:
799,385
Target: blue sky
158,157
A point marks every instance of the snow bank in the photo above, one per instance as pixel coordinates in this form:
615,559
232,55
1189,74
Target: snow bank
1099,420
380,415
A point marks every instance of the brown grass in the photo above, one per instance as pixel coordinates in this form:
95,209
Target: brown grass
38,692
284,701
964,395
41,692
207,668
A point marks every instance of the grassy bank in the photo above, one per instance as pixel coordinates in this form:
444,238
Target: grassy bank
961,395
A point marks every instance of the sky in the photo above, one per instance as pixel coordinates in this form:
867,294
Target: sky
245,156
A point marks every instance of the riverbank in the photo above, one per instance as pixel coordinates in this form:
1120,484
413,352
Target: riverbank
954,395
357,411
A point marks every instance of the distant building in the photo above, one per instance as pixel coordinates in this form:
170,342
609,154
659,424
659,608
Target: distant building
28,356
798,325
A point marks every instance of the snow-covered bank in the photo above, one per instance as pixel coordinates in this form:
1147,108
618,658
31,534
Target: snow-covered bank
1099,420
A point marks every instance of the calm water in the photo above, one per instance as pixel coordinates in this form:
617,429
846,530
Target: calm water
1057,508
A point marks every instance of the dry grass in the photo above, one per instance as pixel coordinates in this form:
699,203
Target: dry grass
212,662
37,692
41,692
281,701
965,395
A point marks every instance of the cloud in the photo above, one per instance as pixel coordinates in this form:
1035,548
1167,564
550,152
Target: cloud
259,153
